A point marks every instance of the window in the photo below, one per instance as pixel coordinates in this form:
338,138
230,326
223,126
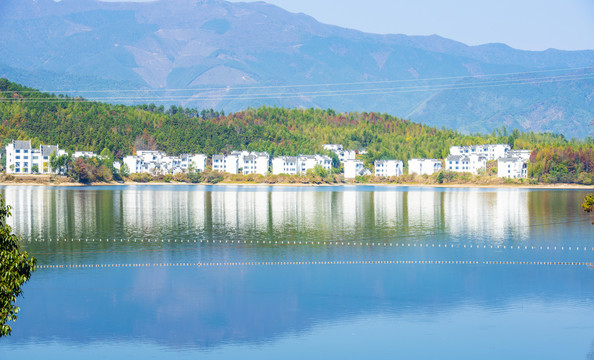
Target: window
17,151
17,157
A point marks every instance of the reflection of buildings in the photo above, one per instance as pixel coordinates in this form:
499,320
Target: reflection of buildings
37,211
496,215
134,212
301,210
240,210
424,209
388,208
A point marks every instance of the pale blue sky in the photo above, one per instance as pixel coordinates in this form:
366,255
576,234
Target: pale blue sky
523,24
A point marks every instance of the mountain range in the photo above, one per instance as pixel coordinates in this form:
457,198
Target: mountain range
222,55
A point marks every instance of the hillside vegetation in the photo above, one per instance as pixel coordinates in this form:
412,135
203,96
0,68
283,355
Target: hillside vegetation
77,124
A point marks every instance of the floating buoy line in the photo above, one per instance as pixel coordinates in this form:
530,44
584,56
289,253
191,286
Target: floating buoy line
309,242
297,263
376,244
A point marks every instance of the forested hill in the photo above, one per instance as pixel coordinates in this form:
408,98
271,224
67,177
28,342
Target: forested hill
76,124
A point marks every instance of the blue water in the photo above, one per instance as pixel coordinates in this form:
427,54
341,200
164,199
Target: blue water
290,272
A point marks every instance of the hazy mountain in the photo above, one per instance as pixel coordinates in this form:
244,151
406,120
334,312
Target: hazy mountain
229,56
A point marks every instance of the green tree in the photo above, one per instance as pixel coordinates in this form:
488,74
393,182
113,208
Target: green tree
588,203
15,268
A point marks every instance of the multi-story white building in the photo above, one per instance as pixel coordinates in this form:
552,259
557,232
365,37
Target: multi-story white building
512,167
424,166
256,163
489,151
353,168
345,155
307,162
285,165
242,161
388,167
299,165
198,162
472,163
21,158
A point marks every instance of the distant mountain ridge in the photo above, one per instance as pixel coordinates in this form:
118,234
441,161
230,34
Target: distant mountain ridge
213,53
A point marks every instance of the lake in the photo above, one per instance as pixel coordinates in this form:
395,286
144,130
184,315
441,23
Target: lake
219,272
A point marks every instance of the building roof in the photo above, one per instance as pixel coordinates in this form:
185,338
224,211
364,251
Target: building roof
22,144
46,150
218,157
455,157
431,160
510,159
312,157
387,161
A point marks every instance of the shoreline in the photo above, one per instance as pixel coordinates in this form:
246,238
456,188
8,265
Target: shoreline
469,186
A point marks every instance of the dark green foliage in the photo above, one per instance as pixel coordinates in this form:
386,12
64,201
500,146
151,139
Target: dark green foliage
15,268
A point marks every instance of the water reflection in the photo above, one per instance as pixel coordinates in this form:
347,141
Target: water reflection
495,216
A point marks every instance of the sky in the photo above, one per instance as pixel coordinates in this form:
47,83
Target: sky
522,24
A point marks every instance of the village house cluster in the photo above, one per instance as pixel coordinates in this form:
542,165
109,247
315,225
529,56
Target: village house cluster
473,159
21,158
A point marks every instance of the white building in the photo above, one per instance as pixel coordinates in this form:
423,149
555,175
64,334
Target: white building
332,147
472,163
84,154
256,163
522,154
285,165
157,162
198,162
299,165
424,166
21,158
307,162
353,168
388,168
343,155
242,161
489,151
512,167
226,163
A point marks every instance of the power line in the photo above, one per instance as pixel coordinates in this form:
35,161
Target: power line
230,88
325,93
